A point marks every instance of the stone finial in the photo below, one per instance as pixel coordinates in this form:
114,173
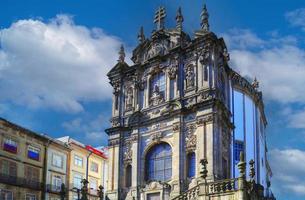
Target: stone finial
141,35
205,19
204,171
255,83
252,169
179,19
242,165
159,17
122,54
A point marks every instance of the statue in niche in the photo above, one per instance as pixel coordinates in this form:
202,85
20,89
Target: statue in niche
190,77
156,97
129,99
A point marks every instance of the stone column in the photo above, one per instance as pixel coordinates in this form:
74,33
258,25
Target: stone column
135,172
176,160
242,177
146,104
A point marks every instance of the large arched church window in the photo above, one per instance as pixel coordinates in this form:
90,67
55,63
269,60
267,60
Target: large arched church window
191,164
159,163
157,83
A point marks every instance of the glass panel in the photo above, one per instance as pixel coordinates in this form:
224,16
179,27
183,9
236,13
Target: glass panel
6,195
141,99
158,80
191,164
172,89
238,117
159,163
153,196
57,160
77,180
78,161
249,125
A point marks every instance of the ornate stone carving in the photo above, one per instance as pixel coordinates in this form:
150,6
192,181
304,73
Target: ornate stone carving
127,156
173,69
191,139
156,97
204,96
115,122
157,49
114,142
116,87
156,137
205,119
190,76
176,127
190,101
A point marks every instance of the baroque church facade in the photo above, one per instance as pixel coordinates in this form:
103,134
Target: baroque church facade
174,130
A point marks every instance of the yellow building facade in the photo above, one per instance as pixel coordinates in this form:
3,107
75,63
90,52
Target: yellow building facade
22,156
87,163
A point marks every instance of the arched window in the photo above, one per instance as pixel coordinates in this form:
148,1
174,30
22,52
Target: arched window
128,176
159,163
158,80
191,164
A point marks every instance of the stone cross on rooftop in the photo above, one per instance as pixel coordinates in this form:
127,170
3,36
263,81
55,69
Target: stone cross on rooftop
159,17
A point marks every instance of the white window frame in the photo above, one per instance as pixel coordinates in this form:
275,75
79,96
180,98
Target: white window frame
55,180
78,184
55,163
30,196
7,191
94,164
78,161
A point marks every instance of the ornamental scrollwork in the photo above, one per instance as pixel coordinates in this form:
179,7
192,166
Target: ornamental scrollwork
116,87
173,69
127,156
156,137
191,138
205,119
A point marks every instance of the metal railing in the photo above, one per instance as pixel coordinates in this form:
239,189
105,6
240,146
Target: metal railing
19,181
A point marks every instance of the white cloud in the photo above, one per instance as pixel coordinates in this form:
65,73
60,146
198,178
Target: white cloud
242,39
296,17
297,119
277,63
55,64
289,171
91,130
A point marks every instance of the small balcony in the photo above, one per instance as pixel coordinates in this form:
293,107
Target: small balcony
19,181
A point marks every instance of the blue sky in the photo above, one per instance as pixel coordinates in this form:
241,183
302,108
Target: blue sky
55,54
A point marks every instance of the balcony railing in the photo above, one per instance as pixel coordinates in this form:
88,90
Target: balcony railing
53,188
19,181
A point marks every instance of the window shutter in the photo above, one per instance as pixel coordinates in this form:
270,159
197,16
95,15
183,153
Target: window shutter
13,169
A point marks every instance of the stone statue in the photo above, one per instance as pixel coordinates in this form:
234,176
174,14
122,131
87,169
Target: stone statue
190,77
